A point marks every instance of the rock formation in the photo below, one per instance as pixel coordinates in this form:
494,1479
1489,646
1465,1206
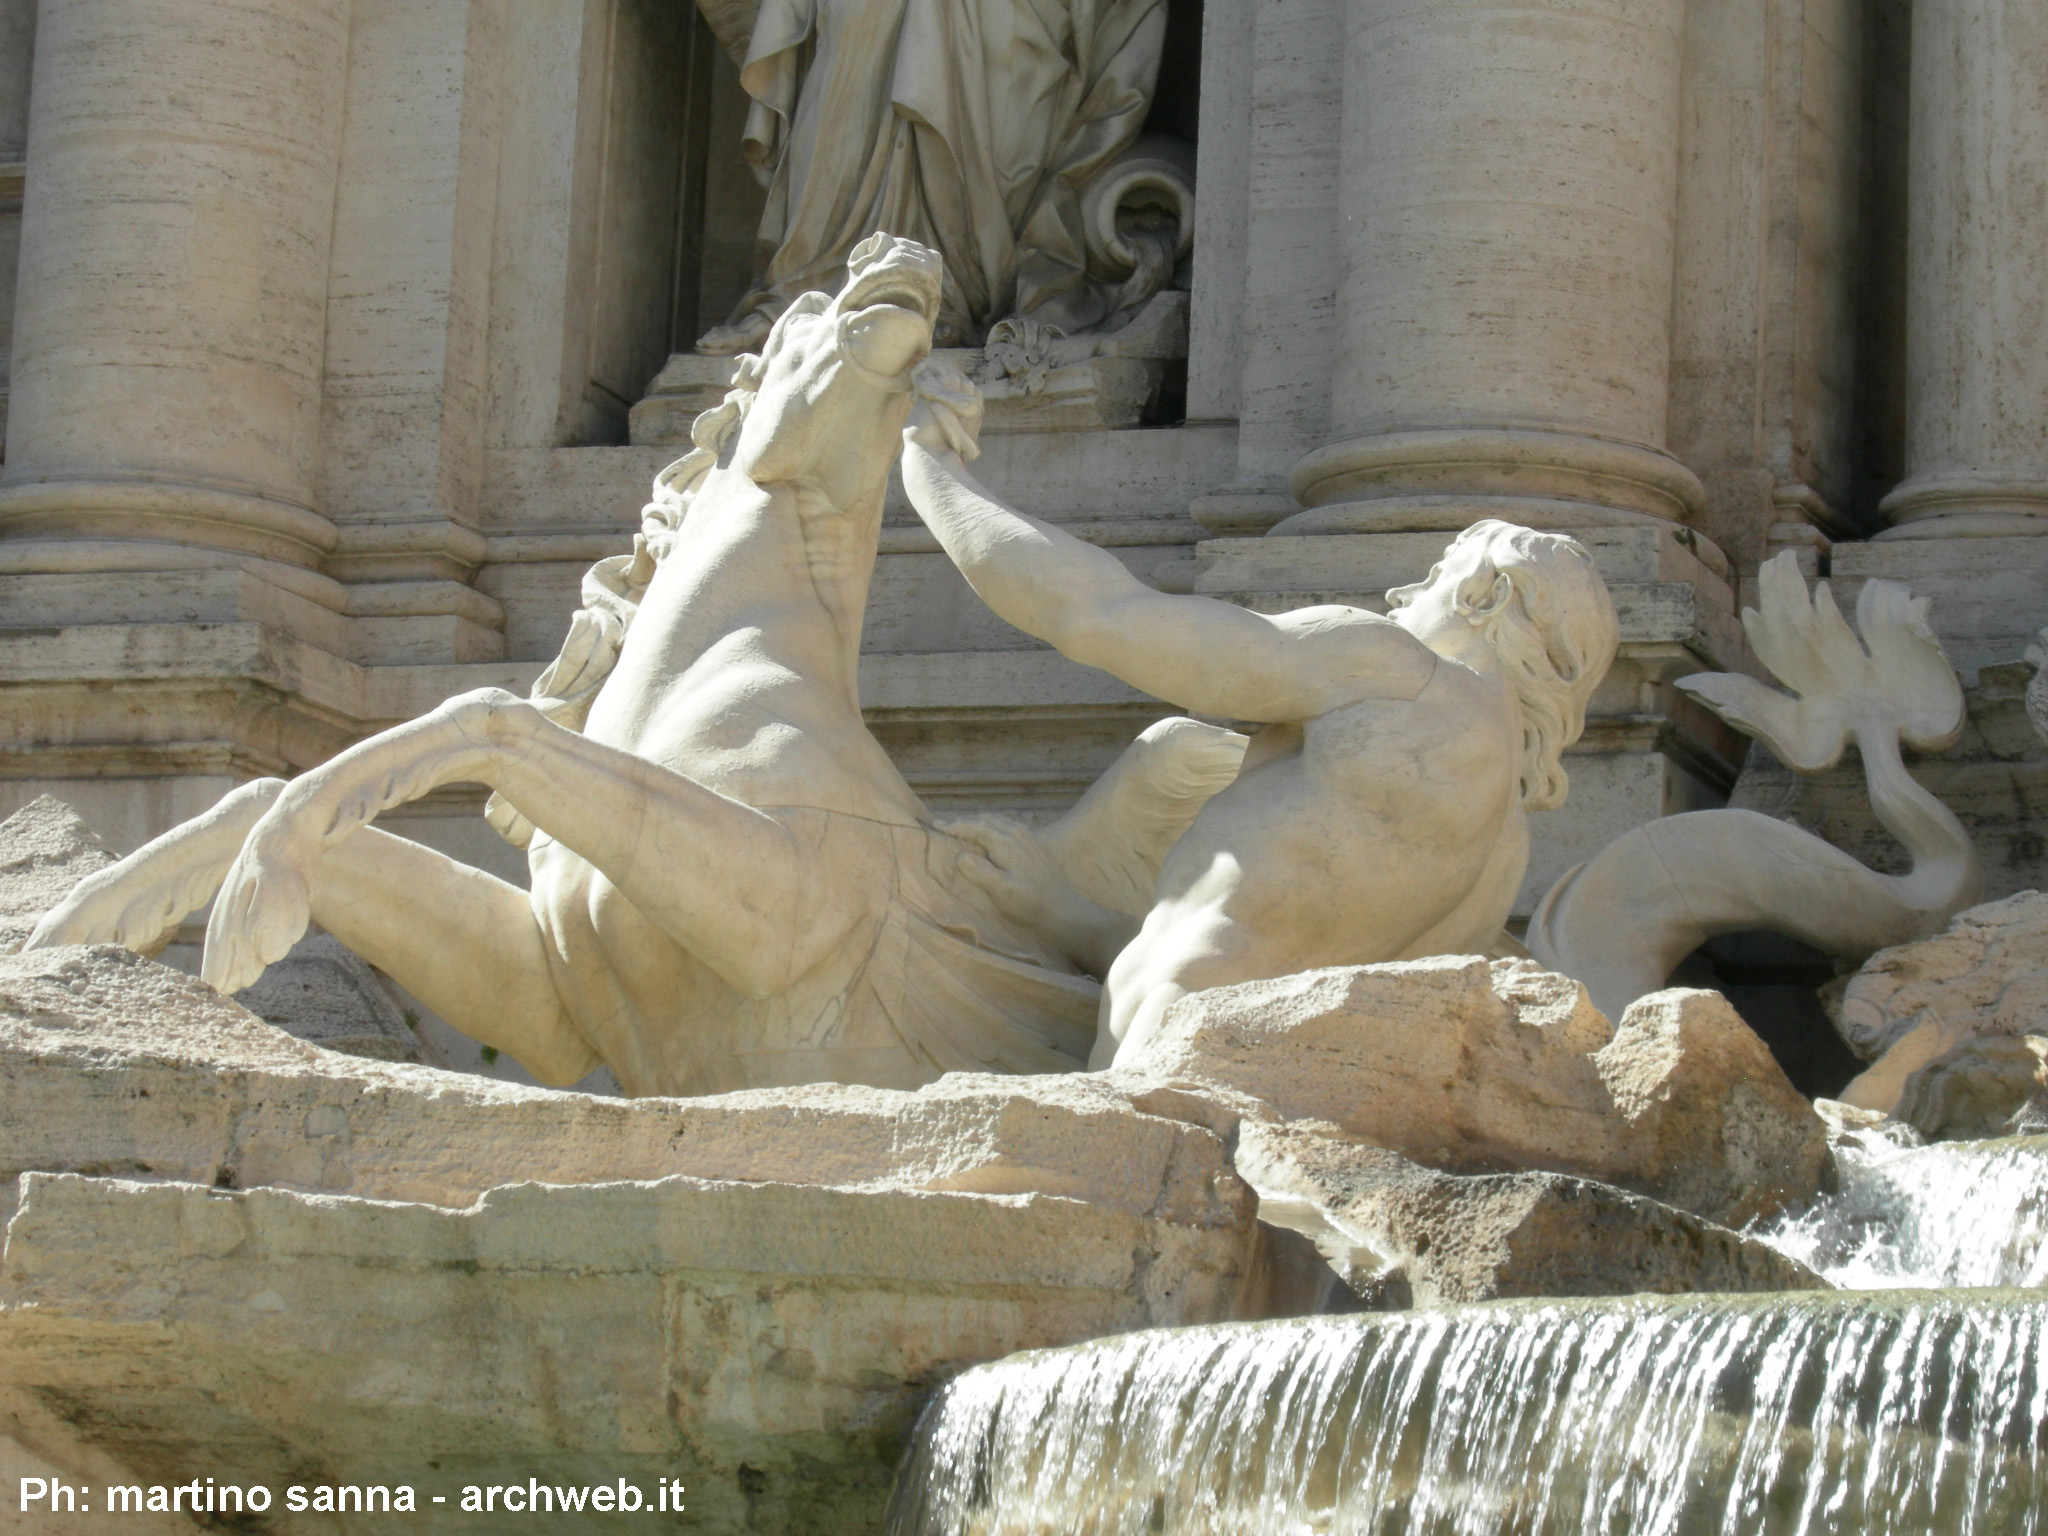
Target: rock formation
1929,1016
328,1263
45,850
334,1263
1478,1067
320,992
1403,1235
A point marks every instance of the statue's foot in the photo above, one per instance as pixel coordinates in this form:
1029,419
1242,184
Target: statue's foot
743,335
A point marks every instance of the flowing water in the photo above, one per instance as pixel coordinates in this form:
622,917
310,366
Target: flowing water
1876,1414
1911,1402
1956,1213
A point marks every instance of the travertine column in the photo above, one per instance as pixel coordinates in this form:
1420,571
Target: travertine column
172,298
1977,273
1507,198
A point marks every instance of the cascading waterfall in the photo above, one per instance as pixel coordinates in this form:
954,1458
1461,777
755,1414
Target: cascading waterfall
1957,1213
1877,1414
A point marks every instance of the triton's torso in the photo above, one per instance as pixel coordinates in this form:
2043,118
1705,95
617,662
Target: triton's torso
1377,828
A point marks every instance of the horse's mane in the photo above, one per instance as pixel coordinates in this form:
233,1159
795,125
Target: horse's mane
613,587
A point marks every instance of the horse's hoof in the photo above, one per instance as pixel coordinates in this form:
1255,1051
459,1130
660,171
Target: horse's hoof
262,910
103,909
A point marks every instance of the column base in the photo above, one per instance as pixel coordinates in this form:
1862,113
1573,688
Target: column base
1454,513
233,520
1961,507
106,583
1242,509
142,557
397,623
1448,478
433,547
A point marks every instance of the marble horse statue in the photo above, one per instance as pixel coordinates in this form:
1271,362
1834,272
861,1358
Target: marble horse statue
732,886
1622,922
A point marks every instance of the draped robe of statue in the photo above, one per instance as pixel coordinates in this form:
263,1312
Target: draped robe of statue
967,125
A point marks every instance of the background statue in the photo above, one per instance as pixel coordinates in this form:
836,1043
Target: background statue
973,126
733,887
1622,922
1381,813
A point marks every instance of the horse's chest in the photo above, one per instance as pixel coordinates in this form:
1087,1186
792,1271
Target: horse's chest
743,721
732,726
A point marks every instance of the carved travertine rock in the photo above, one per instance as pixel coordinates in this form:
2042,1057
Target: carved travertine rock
111,1063
45,849
1712,1124
306,1259
1473,1067
1916,1004
1994,1085
319,992
1404,1234
767,1344
1987,973
325,995
755,1292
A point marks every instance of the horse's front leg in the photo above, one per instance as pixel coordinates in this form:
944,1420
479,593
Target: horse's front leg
731,884
462,941
139,901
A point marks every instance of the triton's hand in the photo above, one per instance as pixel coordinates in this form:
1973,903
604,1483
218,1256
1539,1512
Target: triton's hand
946,417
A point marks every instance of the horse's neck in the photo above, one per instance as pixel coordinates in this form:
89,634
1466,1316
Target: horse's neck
753,621
777,561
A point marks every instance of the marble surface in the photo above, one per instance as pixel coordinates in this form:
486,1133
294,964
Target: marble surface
732,886
980,139
1381,810
1622,922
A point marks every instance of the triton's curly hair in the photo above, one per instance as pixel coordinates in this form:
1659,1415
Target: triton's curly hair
1544,610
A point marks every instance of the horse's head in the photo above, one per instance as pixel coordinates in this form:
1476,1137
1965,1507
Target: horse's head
833,384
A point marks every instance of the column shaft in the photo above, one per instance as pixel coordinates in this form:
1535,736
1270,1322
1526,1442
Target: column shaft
1507,202
1977,273
173,289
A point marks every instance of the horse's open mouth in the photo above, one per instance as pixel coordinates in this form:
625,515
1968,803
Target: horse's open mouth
898,288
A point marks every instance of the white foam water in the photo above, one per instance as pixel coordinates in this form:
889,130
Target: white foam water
1957,1213
1894,1414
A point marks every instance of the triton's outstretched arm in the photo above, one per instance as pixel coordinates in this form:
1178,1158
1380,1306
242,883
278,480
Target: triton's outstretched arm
1203,654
